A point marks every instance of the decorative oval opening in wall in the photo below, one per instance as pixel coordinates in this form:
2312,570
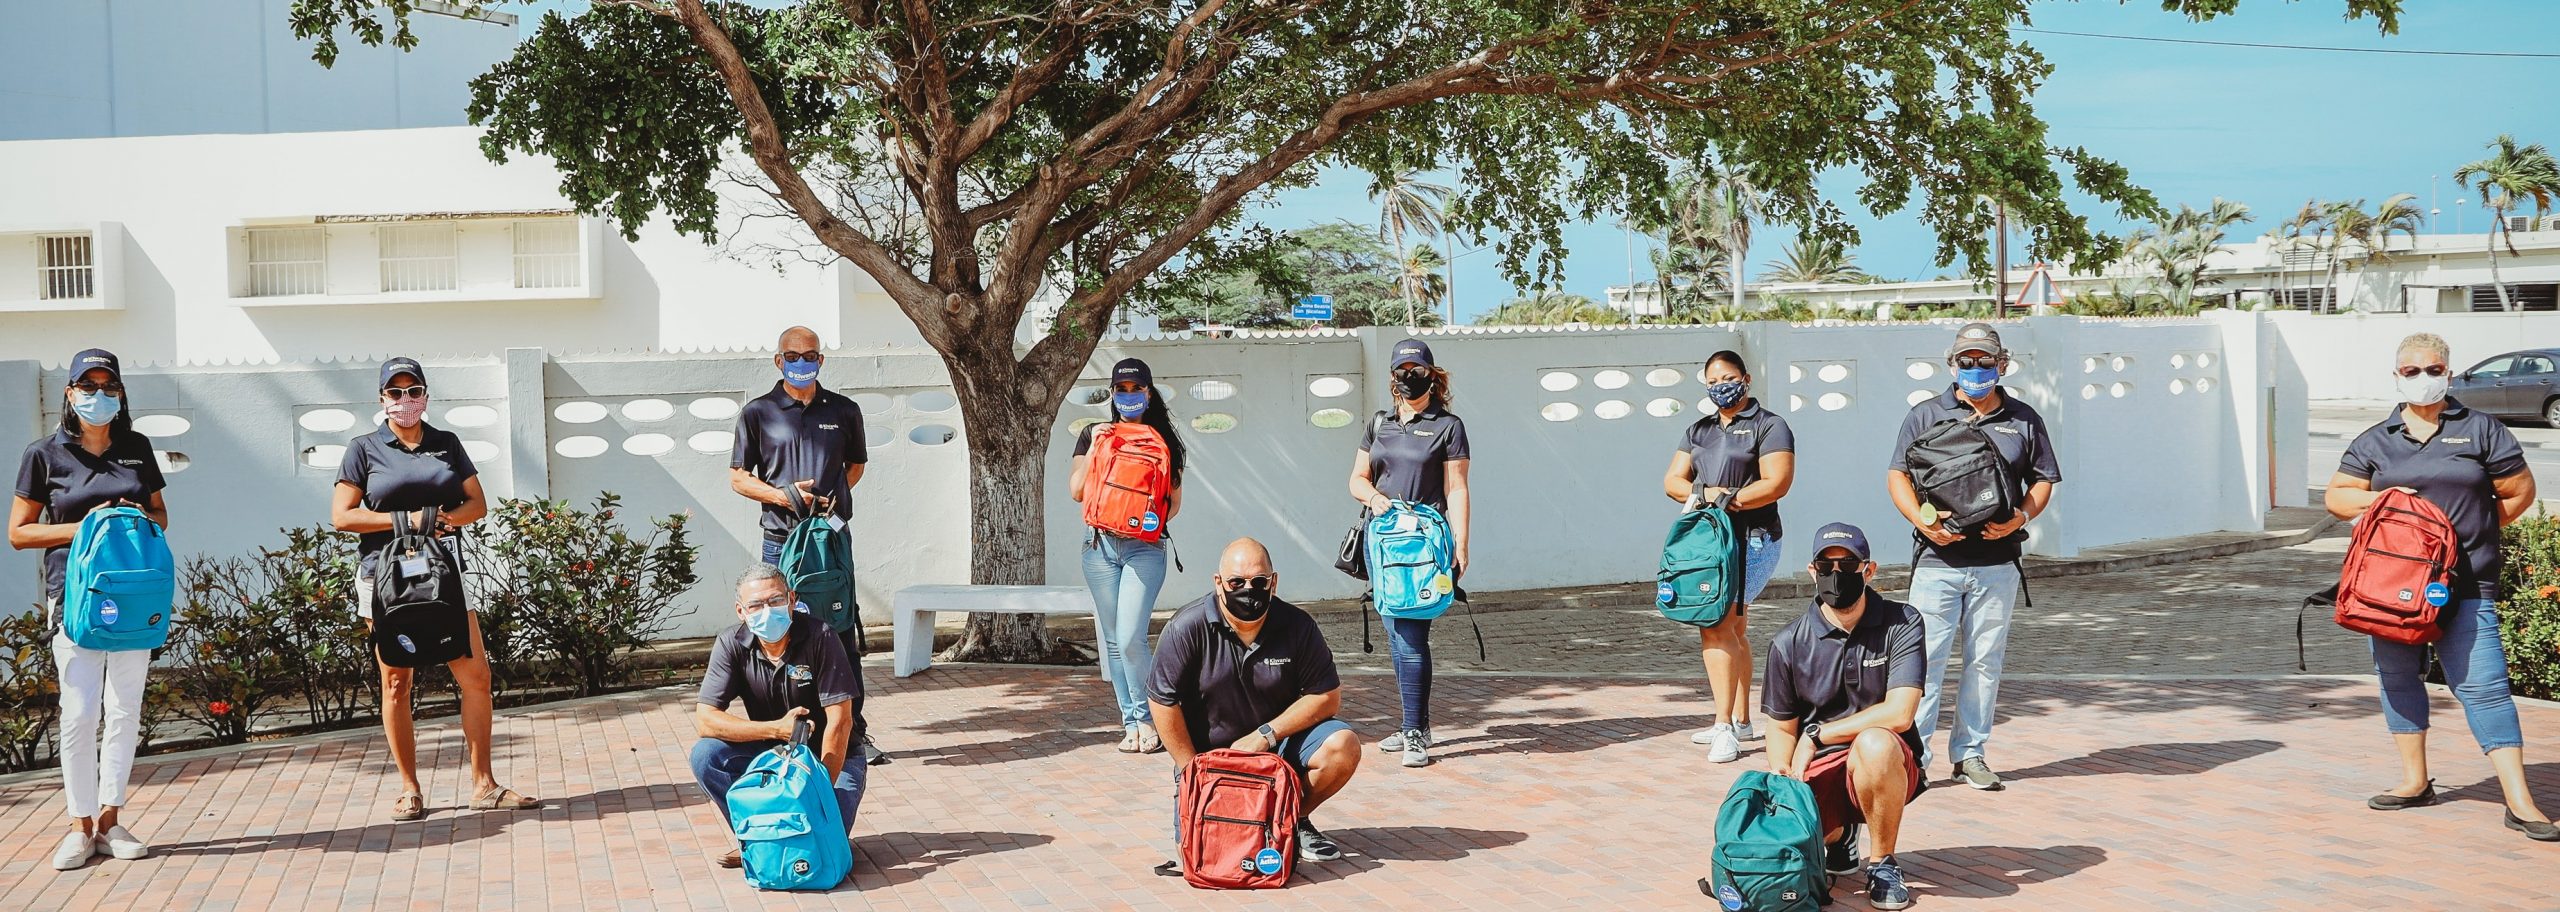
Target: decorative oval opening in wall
2177,387
1076,428
2089,365
2088,391
1833,373
324,456
377,420
1795,403
327,420
470,416
1795,374
2120,363
1330,418
932,401
1832,402
713,408
172,462
1917,397
1663,408
2119,388
932,434
877,436
1213,390
1613,409
1214,423
1560,411
1089,395
648,444
1558,381
480,450
873,403
712,442
161,425
1611,379
1662,376
1328,387
2204,384
581,447
2177,362
1920,370
2204,359
645,410
578,412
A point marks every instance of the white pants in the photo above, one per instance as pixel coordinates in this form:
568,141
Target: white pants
93,680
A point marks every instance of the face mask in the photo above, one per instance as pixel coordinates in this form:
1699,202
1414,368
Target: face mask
406,412
769,624
1413,386
1839,588
800,374
2418,390
1129,405
1977,382
96,408
1249,605
1725,394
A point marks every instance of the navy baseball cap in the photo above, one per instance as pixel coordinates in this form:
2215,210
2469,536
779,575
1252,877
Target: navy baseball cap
1842,535
1132,370
1410,351
397,366
97,359
1977,337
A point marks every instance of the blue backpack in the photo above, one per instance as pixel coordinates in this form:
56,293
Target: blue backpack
1768,854
1412,563
817,561
790,832
120,582
1701,576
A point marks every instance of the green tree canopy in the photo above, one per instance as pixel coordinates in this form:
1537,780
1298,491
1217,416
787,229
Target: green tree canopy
1340,259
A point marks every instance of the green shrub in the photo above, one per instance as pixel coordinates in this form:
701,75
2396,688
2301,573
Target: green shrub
30,699
2529,619
576,588
229,646
312,580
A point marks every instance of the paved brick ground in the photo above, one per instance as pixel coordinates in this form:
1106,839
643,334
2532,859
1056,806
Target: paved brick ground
1554,792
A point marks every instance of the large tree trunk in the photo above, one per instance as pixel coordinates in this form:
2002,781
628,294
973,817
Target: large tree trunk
1009,427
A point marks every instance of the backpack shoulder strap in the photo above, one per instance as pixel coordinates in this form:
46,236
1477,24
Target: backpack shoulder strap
799,503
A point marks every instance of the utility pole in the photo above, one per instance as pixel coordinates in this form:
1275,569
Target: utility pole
1448,303
2000,256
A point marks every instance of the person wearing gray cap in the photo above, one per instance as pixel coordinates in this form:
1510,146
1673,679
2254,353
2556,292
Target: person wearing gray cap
1966,580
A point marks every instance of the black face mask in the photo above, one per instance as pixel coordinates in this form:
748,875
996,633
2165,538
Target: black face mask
1413,385
1249,605
1839,588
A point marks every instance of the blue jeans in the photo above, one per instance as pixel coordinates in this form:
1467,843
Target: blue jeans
1409,643
1759,565
1974,603
1124,575
2475,664
717,765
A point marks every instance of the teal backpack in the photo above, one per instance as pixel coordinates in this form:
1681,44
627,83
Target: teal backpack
1768,854
790,832
1702,560
120,582
817,562
1412,563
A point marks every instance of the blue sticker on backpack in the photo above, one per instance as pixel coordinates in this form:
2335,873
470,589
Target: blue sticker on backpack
1729,897
107,612
2438,594
1267,861
1663,593
406,644
1149,522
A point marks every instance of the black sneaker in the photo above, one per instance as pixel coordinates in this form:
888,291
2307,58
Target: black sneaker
1314,846
2390,802
1885,889
1841,858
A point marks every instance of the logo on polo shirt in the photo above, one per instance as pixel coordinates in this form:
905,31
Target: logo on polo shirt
439,454
2457,440
800,673
130,462
2005,429
1276,660
1879,660
829,427
1420,433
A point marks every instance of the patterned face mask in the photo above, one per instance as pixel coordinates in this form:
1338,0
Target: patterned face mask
1725,394
406,412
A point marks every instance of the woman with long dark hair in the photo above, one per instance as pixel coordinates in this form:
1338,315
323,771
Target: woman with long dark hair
1124,557
1415,452
95,461
1744,452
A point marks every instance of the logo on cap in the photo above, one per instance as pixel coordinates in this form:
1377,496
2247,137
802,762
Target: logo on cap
1834,536
96,359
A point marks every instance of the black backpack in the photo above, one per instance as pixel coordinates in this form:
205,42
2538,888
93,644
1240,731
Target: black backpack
1957,468
419,618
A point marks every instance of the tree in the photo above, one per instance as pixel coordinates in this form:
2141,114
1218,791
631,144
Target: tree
963,154
1340,259
1814,258
1551,308
1407,204
1705,225
2371,231
2179,244
1422,281
2288,237
2512,174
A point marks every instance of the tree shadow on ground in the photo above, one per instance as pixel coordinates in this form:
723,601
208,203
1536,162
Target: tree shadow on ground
444,825
1565,737
1370,848
2166,759
2258,700
1983,872
889,859
2543,778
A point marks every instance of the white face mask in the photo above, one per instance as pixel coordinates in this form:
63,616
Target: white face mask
2423,389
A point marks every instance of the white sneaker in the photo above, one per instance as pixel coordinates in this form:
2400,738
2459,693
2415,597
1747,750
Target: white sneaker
1722,746
1747,732
122,844
73,852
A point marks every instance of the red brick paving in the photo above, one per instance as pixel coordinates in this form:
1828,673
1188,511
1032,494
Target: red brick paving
1552,793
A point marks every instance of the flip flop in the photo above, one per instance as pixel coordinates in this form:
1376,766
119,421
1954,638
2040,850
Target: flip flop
412,806
504,799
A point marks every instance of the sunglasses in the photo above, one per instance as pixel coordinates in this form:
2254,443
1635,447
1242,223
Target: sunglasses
2412,370
1838,564
792,357
779,601
1977,361
405,392
1241,583
110,387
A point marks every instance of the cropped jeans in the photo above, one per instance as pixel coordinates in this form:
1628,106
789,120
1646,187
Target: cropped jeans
1124,575
2475,664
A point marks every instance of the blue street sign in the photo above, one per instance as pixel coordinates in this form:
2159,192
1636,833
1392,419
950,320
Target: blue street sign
1313,307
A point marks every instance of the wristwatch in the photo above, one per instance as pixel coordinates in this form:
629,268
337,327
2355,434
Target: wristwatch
1268,736
1813,733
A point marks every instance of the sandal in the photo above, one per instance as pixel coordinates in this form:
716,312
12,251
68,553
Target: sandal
412,806
503,799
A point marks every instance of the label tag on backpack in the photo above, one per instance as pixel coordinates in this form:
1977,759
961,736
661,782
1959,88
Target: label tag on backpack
2438,594
413,567
1267,861
837,522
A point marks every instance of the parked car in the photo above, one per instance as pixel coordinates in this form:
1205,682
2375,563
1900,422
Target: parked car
2523,384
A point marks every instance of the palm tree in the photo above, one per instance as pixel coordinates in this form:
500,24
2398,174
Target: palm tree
1422,280
1706,226
2180,244
2288,237
1407,204
1550,308
2512,174
1810,258
2371,231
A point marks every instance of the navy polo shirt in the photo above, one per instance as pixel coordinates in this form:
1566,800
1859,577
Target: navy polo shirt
813,674
2452,470
394,477
1819,672
1726,454
1225,688
59,475
1409,459
784,442
2019,433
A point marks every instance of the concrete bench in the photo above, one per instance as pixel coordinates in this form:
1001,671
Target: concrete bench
913,610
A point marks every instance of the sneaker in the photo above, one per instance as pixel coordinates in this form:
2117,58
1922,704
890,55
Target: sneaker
1392,743
122,844
73,852
1148,741
1978,774
1128,739
1314,847
1722,746
1417,744
1885,889
1747,731
872,755
1841,858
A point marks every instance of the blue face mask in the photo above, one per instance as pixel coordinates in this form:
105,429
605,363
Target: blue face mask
1129,405
96,408
800,374
1977,382
769,624
1725,394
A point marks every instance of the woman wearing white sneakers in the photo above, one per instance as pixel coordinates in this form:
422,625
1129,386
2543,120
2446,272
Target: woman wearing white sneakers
1747,452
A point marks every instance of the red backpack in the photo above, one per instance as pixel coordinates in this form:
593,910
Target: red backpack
2399,570
1128,481
1239,820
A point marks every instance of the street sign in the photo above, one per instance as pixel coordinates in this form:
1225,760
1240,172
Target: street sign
1313,307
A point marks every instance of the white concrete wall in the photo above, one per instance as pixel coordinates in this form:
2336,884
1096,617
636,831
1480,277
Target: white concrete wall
2349,356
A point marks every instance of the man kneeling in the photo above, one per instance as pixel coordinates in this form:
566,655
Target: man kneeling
1243,669
786,667
1843,682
